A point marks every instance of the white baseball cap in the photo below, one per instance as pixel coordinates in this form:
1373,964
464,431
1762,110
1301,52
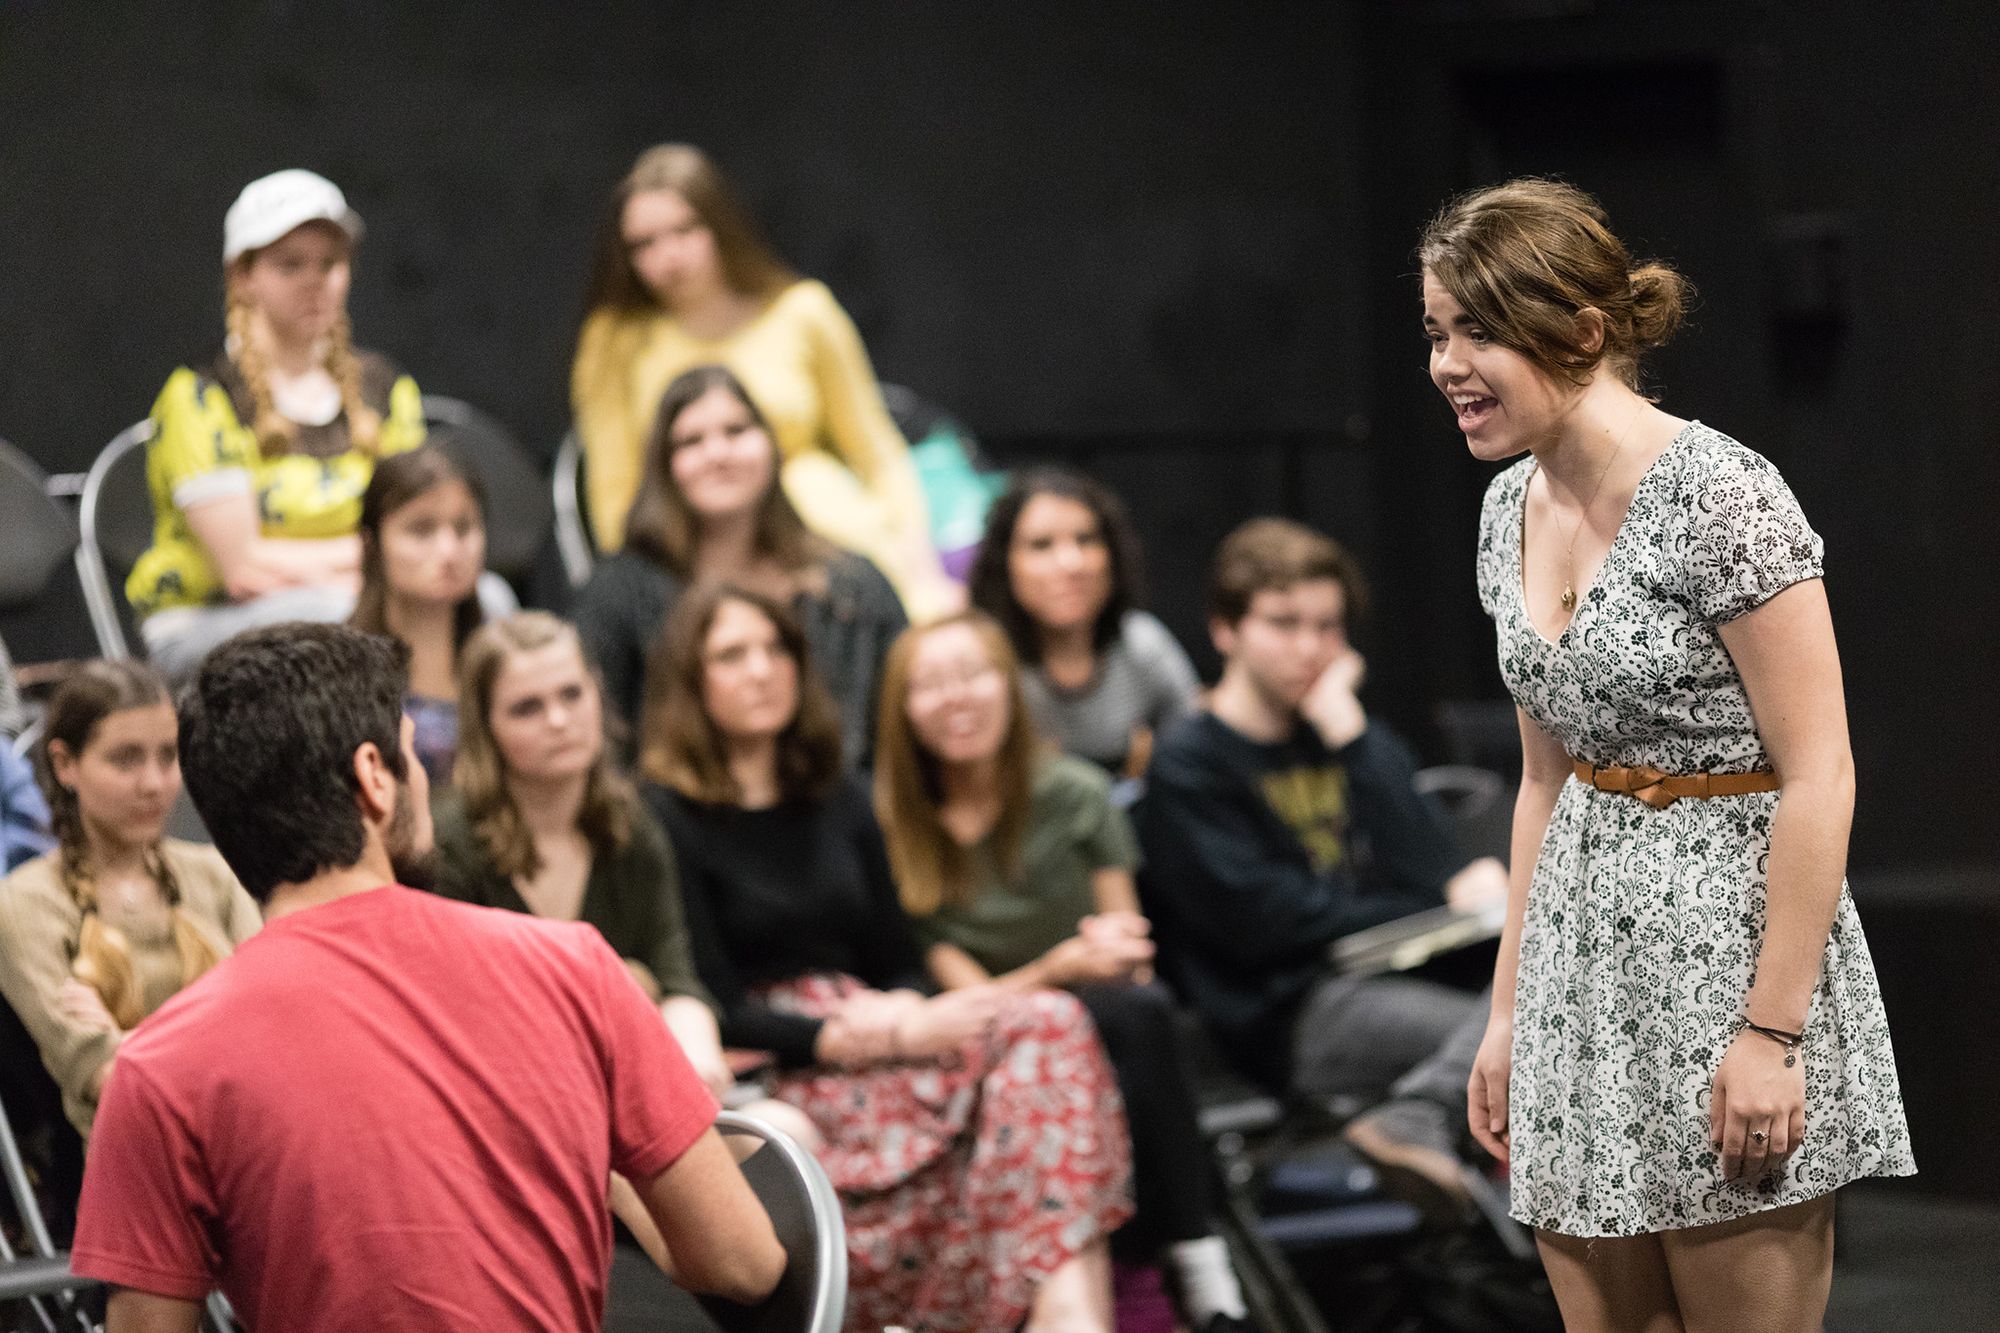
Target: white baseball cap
272,205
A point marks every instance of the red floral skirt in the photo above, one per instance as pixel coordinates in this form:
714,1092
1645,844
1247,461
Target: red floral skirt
967,1181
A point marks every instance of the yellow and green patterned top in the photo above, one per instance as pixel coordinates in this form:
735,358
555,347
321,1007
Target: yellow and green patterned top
201,449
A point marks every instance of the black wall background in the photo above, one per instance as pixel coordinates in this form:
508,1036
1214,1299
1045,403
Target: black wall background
1170,242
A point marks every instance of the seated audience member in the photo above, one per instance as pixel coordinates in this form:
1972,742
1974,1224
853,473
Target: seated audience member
12,716
683,278
387,1110
1280,818
423,548
539,821
1059,569
975,1137
1017,869
24,816
710,506
105,929
259,458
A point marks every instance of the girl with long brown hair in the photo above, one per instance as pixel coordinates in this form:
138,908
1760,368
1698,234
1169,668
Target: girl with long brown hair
423,552
105,929
1017,868
975,1136
682,277
1687,1052
538,820
259,458
710,506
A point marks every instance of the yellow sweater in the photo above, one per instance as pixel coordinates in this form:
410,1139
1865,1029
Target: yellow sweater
846,467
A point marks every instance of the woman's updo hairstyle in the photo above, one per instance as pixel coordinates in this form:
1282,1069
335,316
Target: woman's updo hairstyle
1525,257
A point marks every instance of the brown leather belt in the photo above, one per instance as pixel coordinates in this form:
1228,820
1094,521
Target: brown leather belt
1661,790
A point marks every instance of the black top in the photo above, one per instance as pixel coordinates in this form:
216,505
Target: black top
776,894
849,628
1258,856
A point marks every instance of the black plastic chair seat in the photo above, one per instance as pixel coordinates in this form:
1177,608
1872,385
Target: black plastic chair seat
40,536
1383,1220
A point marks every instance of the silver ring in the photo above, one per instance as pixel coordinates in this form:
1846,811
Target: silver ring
1758,1137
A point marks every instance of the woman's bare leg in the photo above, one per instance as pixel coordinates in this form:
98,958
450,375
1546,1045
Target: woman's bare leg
1766,1273
1610,1284
1076,1298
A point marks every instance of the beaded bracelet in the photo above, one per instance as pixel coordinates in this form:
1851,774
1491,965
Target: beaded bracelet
1791,1041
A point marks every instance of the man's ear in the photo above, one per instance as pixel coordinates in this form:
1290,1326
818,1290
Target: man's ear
377,784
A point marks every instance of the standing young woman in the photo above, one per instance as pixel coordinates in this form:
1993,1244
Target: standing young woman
710,506
258,460
1059,569
539,821
682,278
105,929
1017,868
423,548
975,1136
1687,1050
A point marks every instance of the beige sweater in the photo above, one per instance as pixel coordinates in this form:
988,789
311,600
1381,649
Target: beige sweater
39,925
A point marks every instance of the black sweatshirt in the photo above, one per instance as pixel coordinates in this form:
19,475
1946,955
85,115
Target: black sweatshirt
776,894
1258,856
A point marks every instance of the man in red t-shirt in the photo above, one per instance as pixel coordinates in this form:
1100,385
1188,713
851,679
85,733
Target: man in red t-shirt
386,1110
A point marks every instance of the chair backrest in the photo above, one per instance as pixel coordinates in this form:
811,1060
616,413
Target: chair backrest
795,1191
1479,801
40,536
573,541
518,510
115,522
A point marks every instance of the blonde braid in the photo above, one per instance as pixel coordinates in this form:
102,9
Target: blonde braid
364,423
276,433
103,958
197,951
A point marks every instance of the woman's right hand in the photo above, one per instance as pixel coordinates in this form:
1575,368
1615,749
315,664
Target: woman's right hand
943,1023
1097,955
1486,1092
83,1006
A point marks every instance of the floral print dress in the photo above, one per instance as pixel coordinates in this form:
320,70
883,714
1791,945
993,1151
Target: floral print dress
1643,925
965,1182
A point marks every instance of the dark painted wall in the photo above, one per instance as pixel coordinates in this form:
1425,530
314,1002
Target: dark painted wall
1812,177
1169,241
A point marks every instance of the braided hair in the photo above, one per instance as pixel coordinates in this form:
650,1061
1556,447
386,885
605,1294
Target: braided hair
103,959
276,433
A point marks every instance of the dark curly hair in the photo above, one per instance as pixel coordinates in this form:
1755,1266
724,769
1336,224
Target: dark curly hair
269,728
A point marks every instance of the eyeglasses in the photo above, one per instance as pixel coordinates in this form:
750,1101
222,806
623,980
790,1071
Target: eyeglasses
943,683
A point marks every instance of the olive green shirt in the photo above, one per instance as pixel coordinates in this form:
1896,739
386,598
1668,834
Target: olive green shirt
1073,832
633,897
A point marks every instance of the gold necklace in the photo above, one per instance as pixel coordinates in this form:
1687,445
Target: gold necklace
1569,554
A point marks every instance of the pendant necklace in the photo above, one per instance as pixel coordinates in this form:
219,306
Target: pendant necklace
1569,555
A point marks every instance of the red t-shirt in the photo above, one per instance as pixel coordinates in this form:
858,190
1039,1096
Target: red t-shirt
388,1112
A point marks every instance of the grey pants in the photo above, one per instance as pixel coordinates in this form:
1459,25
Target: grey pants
1365,1039
179,637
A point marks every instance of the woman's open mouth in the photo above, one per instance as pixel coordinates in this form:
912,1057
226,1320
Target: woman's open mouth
1473,409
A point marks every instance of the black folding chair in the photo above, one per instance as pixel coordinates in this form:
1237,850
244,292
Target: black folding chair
519,512
115,526
812,1295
